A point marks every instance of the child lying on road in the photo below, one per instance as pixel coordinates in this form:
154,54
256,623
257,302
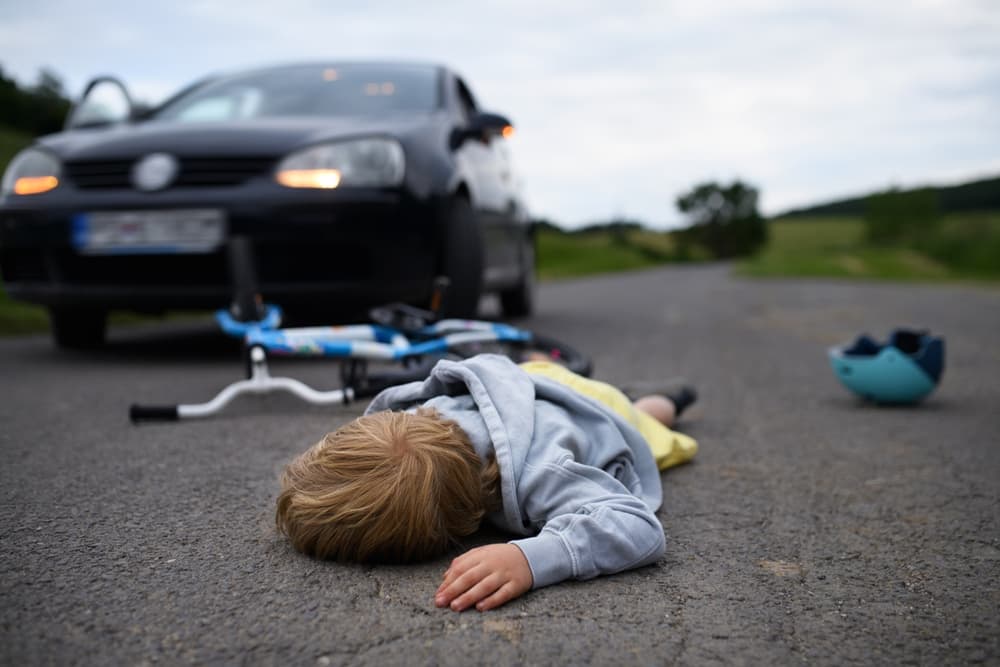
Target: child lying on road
568,464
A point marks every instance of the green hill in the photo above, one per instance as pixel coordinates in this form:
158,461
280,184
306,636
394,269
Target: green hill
982,195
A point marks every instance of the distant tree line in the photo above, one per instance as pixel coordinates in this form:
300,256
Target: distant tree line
723,222
914,219
981,195
35,110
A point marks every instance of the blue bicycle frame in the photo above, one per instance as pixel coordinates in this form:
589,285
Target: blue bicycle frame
365,341
414,352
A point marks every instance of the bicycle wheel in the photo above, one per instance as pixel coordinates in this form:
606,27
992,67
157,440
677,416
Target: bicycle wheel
538,348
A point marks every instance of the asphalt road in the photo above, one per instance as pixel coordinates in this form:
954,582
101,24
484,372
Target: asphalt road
811,528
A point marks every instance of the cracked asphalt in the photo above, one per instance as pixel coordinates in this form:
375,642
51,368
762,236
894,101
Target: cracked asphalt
810,529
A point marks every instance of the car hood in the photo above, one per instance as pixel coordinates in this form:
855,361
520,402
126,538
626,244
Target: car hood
259,138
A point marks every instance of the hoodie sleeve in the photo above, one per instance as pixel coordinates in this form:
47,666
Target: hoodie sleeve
591,525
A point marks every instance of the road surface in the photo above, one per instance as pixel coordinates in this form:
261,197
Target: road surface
811,528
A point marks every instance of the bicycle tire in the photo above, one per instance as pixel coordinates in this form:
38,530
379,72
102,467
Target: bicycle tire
549,348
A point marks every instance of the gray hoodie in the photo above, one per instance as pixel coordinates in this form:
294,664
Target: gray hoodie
574,476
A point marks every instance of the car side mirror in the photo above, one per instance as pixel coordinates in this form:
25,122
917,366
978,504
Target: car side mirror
105,101
141,111
482,127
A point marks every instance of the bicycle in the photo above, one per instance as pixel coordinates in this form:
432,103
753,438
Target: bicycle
408,339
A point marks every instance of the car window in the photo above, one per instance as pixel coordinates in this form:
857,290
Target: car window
231,103
315,90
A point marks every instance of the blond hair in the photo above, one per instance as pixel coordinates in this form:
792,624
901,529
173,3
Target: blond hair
390,486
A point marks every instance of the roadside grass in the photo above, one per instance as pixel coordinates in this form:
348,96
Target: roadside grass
565,255
968,243
19,318
837,248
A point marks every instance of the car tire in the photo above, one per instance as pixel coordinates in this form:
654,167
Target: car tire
519,301
76,328
462,259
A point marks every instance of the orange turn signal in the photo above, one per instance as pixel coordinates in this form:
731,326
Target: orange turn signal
33,185
323,179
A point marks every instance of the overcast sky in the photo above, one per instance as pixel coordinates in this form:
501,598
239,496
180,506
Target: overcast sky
619,106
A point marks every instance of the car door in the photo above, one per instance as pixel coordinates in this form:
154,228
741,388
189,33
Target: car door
511,226
490,196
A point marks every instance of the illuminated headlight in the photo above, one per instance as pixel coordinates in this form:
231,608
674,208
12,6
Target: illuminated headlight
361,162
31,172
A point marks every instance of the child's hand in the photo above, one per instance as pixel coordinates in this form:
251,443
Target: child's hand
486,577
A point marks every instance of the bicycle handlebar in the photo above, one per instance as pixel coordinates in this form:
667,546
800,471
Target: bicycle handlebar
138,413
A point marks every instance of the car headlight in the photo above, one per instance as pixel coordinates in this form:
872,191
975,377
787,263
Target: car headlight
360,162
31,172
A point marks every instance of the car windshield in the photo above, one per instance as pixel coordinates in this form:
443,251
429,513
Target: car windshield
309,90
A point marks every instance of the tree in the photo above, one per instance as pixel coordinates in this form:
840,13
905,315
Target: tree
724,219
33,111
49,85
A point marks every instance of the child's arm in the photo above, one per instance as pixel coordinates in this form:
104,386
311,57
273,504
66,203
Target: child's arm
591,524
589,530
486,577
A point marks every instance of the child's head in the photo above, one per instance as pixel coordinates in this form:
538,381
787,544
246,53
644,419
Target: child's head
390,486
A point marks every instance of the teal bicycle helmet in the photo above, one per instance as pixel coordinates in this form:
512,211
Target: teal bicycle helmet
904,369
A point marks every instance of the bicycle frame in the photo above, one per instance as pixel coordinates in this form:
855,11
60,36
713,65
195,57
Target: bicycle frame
352,343
415,345
364,341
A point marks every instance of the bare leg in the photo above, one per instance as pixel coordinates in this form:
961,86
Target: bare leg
658,407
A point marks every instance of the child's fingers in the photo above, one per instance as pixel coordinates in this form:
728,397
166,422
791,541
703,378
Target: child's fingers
501,596
454,572
460,565
449,576
482,589
459,585
456,569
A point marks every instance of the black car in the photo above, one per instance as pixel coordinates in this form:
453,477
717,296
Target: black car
356,183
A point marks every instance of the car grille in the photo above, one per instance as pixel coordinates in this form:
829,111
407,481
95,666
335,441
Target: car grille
194,172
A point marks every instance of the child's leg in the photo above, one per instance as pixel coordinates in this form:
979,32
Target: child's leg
666,408
658,407
669,447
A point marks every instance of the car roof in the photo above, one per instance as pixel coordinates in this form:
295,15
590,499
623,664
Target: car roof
402,64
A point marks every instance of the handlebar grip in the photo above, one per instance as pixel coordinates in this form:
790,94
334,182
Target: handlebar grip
139,413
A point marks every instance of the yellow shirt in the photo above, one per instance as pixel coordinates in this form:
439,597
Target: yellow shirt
669,447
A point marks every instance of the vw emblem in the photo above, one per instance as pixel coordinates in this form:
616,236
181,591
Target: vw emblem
154,172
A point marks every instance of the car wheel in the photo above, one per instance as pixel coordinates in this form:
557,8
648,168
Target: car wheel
76,328
519,301
462,260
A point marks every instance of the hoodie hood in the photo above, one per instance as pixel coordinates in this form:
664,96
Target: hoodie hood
493,401
530,423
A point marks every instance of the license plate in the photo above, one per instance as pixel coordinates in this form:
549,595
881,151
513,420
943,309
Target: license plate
193,230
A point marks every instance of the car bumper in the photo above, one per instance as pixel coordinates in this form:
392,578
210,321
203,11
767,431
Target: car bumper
310,247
